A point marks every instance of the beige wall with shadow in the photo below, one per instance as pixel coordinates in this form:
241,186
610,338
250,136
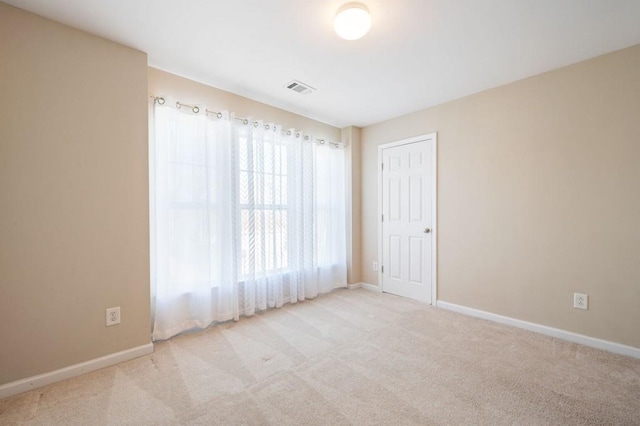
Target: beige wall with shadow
162,83
538,196
74,227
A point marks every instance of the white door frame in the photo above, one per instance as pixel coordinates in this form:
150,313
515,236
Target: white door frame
433,137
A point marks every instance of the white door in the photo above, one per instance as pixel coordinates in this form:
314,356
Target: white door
407,177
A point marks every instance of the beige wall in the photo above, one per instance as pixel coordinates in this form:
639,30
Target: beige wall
351,137
73,194
187,91
538,196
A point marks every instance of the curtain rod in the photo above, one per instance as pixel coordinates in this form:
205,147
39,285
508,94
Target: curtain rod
196,109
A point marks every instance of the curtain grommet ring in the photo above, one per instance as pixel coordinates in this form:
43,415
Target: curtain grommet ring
160,101
219,115
195,109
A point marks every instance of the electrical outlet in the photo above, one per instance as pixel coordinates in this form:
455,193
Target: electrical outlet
375,266
113,316
580,301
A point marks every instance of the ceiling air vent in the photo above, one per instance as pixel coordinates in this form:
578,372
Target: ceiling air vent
300,87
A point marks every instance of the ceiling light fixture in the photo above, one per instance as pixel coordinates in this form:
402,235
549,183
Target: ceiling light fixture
352,21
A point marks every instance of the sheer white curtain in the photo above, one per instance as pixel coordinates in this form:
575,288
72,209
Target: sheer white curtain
244,217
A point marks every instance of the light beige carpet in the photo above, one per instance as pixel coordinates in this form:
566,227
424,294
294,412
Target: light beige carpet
350,357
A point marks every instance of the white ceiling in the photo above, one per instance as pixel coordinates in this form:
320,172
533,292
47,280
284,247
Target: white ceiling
418,53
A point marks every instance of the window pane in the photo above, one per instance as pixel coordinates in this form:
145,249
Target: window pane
268,189
268,158
258,191
244,154
277,159
269,240
245,194
263,197
281,239
245,232
258,241
284,190
283,159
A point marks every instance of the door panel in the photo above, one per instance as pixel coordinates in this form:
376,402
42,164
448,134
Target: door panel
395,202
415,198
395,268
415,260
406,208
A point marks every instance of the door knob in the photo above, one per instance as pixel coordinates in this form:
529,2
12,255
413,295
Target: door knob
427,230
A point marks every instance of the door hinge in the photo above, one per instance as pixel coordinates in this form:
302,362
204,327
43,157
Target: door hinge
383,218
382,269
382,166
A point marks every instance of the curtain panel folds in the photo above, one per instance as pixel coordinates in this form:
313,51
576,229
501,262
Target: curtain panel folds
244,217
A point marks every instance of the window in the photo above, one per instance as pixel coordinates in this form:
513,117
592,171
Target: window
239,222
264,212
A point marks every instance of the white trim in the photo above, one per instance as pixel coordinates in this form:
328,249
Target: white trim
593,342
434,208
24,385
434,218
366,286
371,287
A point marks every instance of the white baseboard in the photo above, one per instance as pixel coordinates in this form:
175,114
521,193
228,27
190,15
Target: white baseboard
44,379
593,342
371,287
354,286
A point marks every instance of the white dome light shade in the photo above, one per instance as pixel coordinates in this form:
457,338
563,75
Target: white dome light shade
352,21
